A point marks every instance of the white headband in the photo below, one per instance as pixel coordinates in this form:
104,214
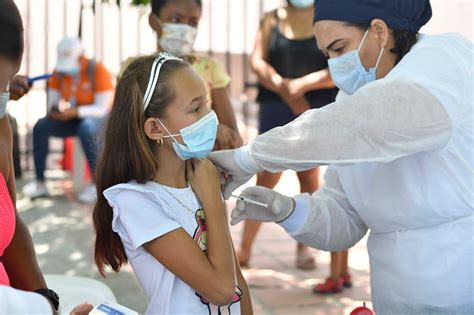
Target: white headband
154,74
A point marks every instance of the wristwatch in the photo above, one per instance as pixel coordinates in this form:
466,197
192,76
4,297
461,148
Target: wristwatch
52,296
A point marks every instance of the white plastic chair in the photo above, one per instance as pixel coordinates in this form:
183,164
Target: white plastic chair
76,290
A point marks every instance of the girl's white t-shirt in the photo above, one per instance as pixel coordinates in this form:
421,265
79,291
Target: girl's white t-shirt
144,212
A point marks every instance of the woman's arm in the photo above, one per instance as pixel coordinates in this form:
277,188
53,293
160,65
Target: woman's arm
267,75
326,220
20,261
245,299
19,258
384,121
318,80
213,276
222,105
229,138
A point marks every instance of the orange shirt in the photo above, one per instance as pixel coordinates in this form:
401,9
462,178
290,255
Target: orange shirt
85,90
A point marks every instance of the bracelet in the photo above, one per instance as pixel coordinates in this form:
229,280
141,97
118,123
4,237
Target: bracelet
52,296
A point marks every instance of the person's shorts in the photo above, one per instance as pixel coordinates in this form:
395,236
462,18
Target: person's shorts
273,114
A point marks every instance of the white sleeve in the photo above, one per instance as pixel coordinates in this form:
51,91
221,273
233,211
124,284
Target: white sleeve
383,121
53,99
13,301
138,216
100,108
326,220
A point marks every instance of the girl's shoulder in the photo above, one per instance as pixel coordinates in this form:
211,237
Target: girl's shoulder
129,186
128,193
140,213
149,192
149,197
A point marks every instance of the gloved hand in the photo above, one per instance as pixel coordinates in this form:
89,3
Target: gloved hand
279,208
236,176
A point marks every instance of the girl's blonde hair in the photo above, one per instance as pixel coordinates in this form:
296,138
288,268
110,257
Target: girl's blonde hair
128,154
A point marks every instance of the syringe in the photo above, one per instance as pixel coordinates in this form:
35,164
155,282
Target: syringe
244,199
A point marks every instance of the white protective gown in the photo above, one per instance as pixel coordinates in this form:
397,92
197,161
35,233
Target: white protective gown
401,151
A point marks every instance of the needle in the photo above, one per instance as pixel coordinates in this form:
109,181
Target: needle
251,201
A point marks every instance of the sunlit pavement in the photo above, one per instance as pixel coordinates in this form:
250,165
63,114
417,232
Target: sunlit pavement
63,236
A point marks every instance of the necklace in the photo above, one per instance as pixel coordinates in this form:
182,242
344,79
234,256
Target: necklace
177,200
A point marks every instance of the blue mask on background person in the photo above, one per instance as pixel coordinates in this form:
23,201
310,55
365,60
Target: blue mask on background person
4,98
301,4
199,138
349,74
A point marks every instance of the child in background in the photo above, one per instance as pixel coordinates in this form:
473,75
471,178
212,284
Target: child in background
159,201
176,24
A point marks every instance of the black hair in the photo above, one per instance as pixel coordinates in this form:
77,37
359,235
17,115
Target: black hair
157,5
11,31
404,40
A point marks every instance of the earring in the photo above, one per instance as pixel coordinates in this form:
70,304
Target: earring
160,142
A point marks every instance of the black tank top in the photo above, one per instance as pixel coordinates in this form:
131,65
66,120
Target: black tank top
293,59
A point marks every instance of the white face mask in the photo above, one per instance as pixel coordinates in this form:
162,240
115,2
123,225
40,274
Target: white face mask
4,98
177,39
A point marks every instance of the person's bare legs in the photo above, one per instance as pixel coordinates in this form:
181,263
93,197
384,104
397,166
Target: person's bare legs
339,277
345,274
345,262
251,228
336,265
333,283
309,183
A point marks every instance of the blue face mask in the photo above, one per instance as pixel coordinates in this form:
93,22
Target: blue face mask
199,138
349,74
301,4
4,98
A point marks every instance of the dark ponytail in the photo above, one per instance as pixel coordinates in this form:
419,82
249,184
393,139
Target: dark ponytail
404,40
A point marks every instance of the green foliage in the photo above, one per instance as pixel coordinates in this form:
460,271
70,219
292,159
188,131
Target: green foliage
139,2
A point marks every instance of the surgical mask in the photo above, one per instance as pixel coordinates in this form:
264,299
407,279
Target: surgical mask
349,74
199,138
177,39
301,4
73,72
4,98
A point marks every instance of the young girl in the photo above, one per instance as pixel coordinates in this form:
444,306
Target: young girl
159,202
176,24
